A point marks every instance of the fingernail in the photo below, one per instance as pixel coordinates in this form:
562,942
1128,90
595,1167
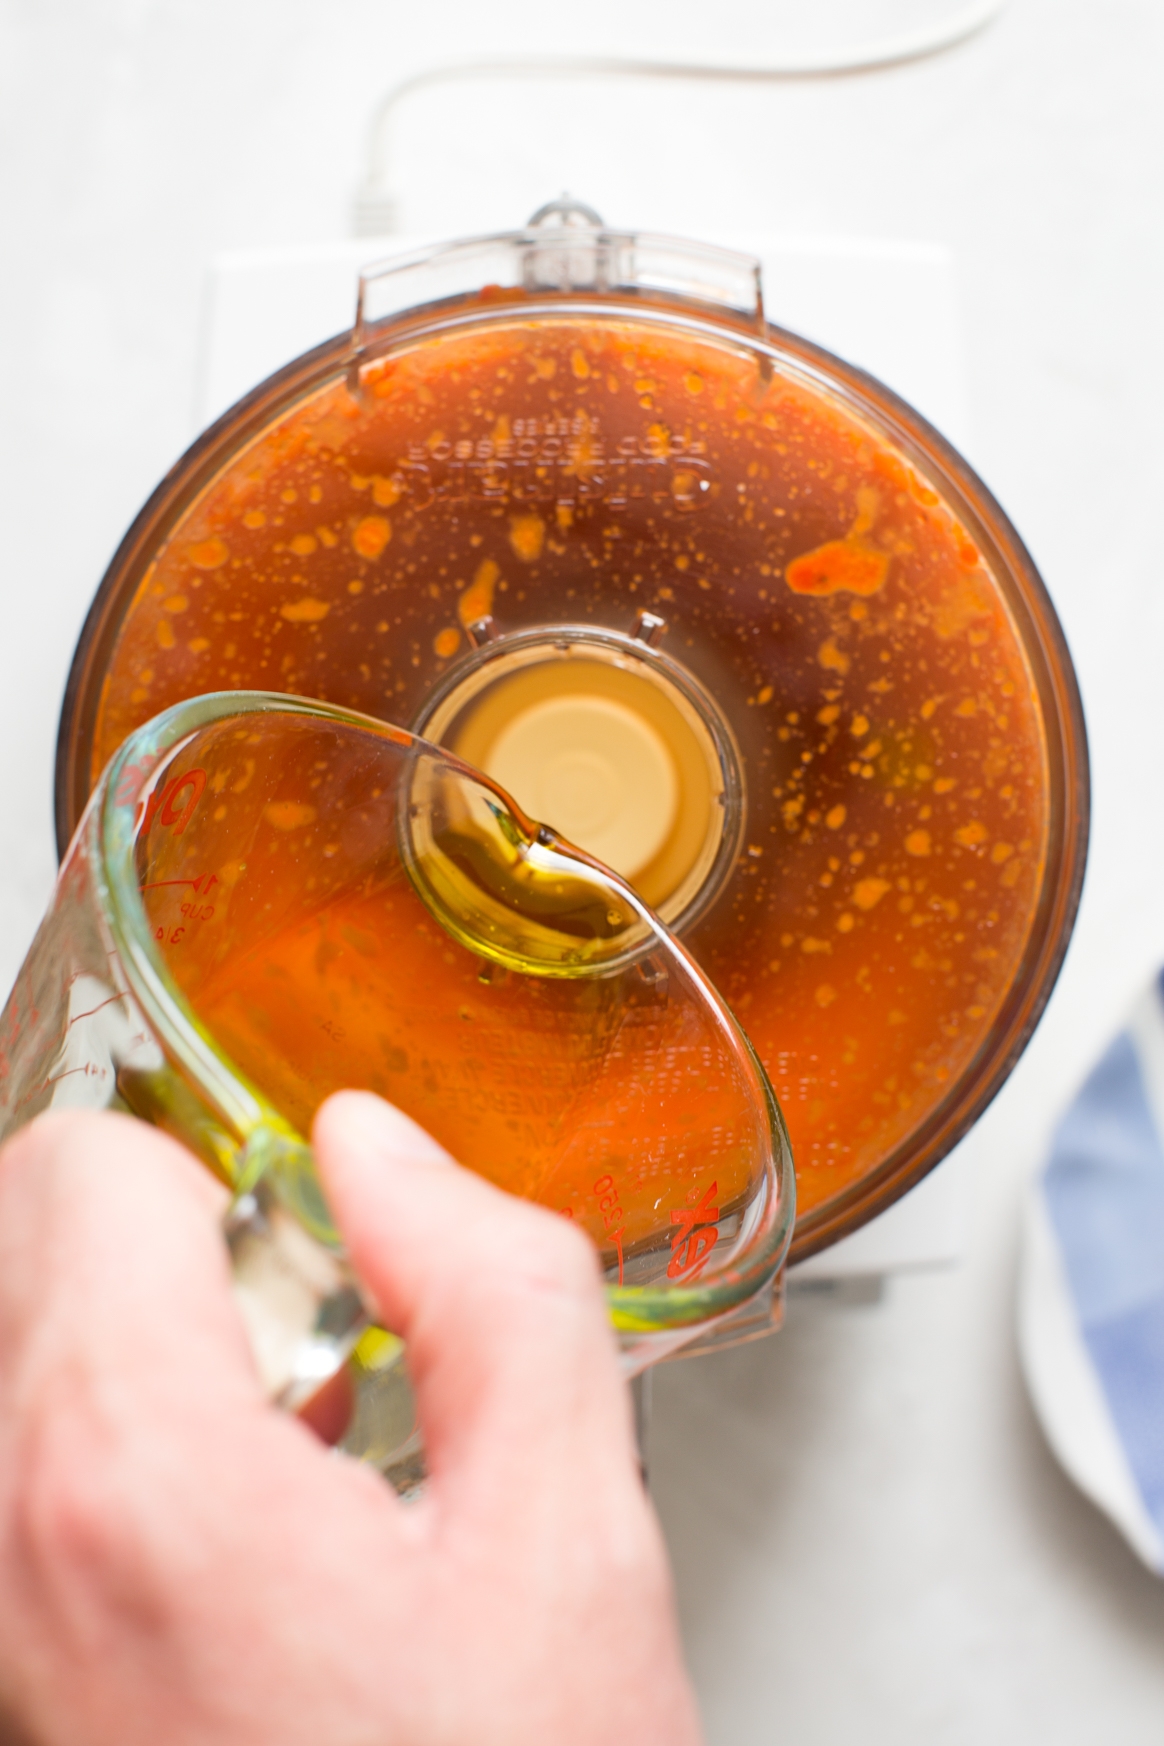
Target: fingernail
370,1123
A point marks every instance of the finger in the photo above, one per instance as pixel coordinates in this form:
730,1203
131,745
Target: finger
499,1303
153,1507
113,1269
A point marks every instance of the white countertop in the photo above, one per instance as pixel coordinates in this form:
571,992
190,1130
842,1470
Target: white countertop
870,1538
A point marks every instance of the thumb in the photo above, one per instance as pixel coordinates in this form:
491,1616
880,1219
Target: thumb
498,1301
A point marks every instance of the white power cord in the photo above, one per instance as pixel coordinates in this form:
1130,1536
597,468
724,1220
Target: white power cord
375,213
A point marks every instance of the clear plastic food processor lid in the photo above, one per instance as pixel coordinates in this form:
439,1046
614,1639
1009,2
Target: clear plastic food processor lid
717,607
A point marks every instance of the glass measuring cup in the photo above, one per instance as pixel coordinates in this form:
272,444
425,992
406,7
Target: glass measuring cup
270,898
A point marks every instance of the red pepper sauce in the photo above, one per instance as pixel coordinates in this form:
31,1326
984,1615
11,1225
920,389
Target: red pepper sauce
576,472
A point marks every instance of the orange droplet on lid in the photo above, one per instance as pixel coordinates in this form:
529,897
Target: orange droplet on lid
477,600
208,554
869,892
305,611
288,815
838,566
527,536
834,660
371,535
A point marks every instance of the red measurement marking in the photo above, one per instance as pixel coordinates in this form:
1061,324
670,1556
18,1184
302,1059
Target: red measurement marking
162,801
195,780
195,884
696,1237
613,1218
132,778
90,1070
154,800
100,1007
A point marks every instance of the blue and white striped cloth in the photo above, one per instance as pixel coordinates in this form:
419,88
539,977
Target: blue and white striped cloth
1091,1306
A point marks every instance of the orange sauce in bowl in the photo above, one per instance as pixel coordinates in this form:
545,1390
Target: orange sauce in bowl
577,470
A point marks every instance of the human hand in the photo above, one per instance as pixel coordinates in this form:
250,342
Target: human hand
180,1563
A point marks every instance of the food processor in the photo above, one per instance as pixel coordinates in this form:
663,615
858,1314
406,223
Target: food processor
562,572
715,604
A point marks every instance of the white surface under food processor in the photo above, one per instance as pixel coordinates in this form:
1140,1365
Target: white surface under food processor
871,1539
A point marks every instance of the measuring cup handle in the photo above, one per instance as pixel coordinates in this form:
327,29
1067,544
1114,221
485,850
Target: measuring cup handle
306,1319
302,1310
298,1298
